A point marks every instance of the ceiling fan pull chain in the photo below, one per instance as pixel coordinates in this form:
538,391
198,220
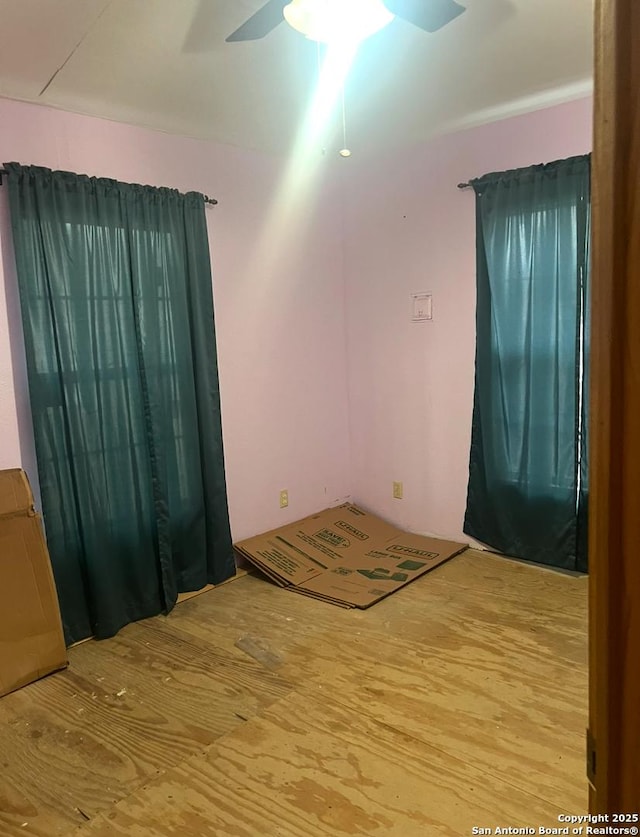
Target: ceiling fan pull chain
344,151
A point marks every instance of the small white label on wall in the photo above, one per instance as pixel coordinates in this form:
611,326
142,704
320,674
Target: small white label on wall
422,307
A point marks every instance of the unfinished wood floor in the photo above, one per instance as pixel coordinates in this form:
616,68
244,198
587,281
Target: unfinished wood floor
459,701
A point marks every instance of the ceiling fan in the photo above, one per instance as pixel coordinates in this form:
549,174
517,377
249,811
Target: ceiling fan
429,15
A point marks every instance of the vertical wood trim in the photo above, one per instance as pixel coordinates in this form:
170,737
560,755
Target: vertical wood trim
614,483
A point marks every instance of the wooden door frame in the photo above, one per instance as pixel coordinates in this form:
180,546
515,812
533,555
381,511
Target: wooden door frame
614,481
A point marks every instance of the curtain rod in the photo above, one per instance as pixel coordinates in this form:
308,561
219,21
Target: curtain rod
464,186
206,198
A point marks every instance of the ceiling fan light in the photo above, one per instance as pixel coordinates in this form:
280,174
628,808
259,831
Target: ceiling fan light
337,20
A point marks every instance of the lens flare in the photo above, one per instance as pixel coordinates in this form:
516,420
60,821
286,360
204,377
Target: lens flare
294,198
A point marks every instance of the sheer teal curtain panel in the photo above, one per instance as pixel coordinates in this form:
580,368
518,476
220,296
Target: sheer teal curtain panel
528,473
117,307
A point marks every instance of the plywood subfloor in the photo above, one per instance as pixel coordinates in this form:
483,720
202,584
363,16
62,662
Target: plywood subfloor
458,701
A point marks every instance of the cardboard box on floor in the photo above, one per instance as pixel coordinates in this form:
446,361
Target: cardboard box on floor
31,639
345,556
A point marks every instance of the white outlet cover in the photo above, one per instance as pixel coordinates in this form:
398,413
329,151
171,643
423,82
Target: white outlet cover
422,307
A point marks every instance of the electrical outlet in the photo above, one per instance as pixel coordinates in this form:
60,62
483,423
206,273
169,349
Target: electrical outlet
284,498
397,491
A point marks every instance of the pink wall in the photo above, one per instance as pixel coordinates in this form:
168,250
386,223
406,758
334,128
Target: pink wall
279,310
314,403
408,229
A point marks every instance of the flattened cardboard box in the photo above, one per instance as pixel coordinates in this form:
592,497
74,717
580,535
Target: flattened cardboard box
31,640
345,556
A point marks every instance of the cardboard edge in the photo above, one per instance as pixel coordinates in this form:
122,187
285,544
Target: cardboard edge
47,671
28,509
326,599
41,573
258,565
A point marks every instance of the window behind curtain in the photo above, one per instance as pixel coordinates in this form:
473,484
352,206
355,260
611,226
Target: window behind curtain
116,297
527,434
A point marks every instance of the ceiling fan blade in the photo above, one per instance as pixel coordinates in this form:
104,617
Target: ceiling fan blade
261,23
429,15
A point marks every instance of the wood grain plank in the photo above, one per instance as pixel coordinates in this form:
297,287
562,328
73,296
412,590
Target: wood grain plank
525,728
126,709
473,678
308,767
491,678
170,670
512,621
480,590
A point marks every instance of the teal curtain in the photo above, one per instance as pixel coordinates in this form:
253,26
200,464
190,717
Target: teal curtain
528,472
117,308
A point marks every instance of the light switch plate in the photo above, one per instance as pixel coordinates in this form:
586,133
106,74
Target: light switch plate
422,307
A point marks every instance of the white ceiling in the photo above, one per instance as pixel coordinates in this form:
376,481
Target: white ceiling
165,64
